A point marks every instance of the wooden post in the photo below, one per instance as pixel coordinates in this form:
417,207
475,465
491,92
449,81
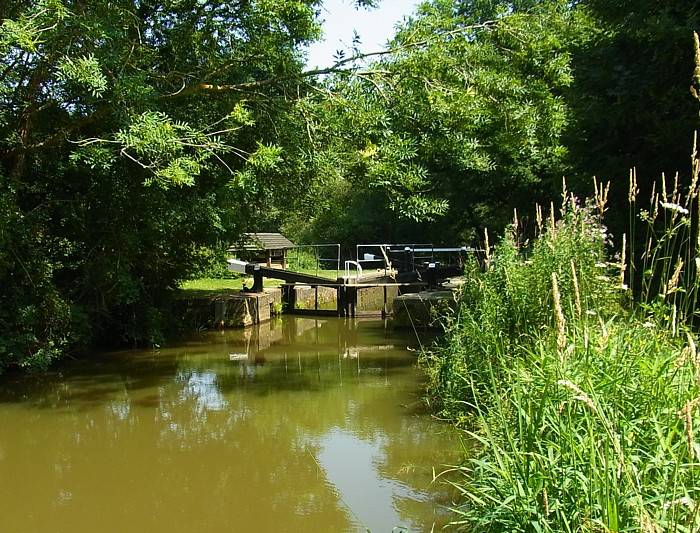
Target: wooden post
340,300
352,301
257,281
385,308
288,297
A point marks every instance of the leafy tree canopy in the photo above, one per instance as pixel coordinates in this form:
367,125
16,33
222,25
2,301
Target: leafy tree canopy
131,134
630,97
460,123
484,106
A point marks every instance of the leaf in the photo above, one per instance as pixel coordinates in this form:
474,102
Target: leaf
83,71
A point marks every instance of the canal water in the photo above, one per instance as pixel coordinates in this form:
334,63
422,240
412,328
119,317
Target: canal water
296,425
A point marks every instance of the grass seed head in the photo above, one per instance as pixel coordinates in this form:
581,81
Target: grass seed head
686,414
577,292
579,395
672,285
664,196
623,259
564,196
558,315
633,189
552,226
647,525
675,196
538,218
601,192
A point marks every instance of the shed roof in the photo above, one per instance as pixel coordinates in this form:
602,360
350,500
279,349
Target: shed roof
264,241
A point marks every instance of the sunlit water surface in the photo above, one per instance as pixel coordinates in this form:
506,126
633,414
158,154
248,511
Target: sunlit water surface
298,425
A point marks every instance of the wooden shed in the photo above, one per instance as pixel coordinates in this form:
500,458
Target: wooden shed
265,248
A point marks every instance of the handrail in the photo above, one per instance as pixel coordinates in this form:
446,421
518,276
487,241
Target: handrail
357,266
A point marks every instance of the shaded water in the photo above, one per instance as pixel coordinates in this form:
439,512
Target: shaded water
298,425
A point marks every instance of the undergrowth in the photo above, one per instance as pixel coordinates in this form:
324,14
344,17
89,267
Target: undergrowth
580,400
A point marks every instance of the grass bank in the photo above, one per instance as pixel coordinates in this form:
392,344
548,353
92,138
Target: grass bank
582,403
210,286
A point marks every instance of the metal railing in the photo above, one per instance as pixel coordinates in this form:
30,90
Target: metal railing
384,256
319,262
358,268
407,256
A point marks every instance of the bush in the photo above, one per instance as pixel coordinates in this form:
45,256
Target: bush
510,303
581,406
212,264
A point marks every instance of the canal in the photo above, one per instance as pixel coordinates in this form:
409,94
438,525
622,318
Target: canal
295,425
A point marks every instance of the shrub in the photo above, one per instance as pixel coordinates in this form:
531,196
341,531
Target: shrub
580,405
510,302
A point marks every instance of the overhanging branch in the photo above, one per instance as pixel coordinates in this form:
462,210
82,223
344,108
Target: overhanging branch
343,66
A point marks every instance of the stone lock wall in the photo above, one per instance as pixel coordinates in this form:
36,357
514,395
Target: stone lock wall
232,310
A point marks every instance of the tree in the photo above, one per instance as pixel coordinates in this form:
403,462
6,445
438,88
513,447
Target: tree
631,92
131,133
460,123
483,106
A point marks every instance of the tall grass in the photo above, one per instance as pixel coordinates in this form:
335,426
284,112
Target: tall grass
581,400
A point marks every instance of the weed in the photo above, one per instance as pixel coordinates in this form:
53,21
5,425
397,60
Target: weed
583,404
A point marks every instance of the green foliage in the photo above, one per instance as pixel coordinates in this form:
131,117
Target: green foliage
482,106
511,302
211,263
630,95
26,29
36,324
588,441
266,157
302,259
459,124
580,406
391,168
484,102
83,71
172,150
121,126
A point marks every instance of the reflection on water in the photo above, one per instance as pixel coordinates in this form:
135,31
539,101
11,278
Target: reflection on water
351,466
298,425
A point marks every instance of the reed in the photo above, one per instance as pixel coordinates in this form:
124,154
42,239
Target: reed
582,401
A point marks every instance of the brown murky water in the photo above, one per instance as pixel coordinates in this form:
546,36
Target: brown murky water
301,425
